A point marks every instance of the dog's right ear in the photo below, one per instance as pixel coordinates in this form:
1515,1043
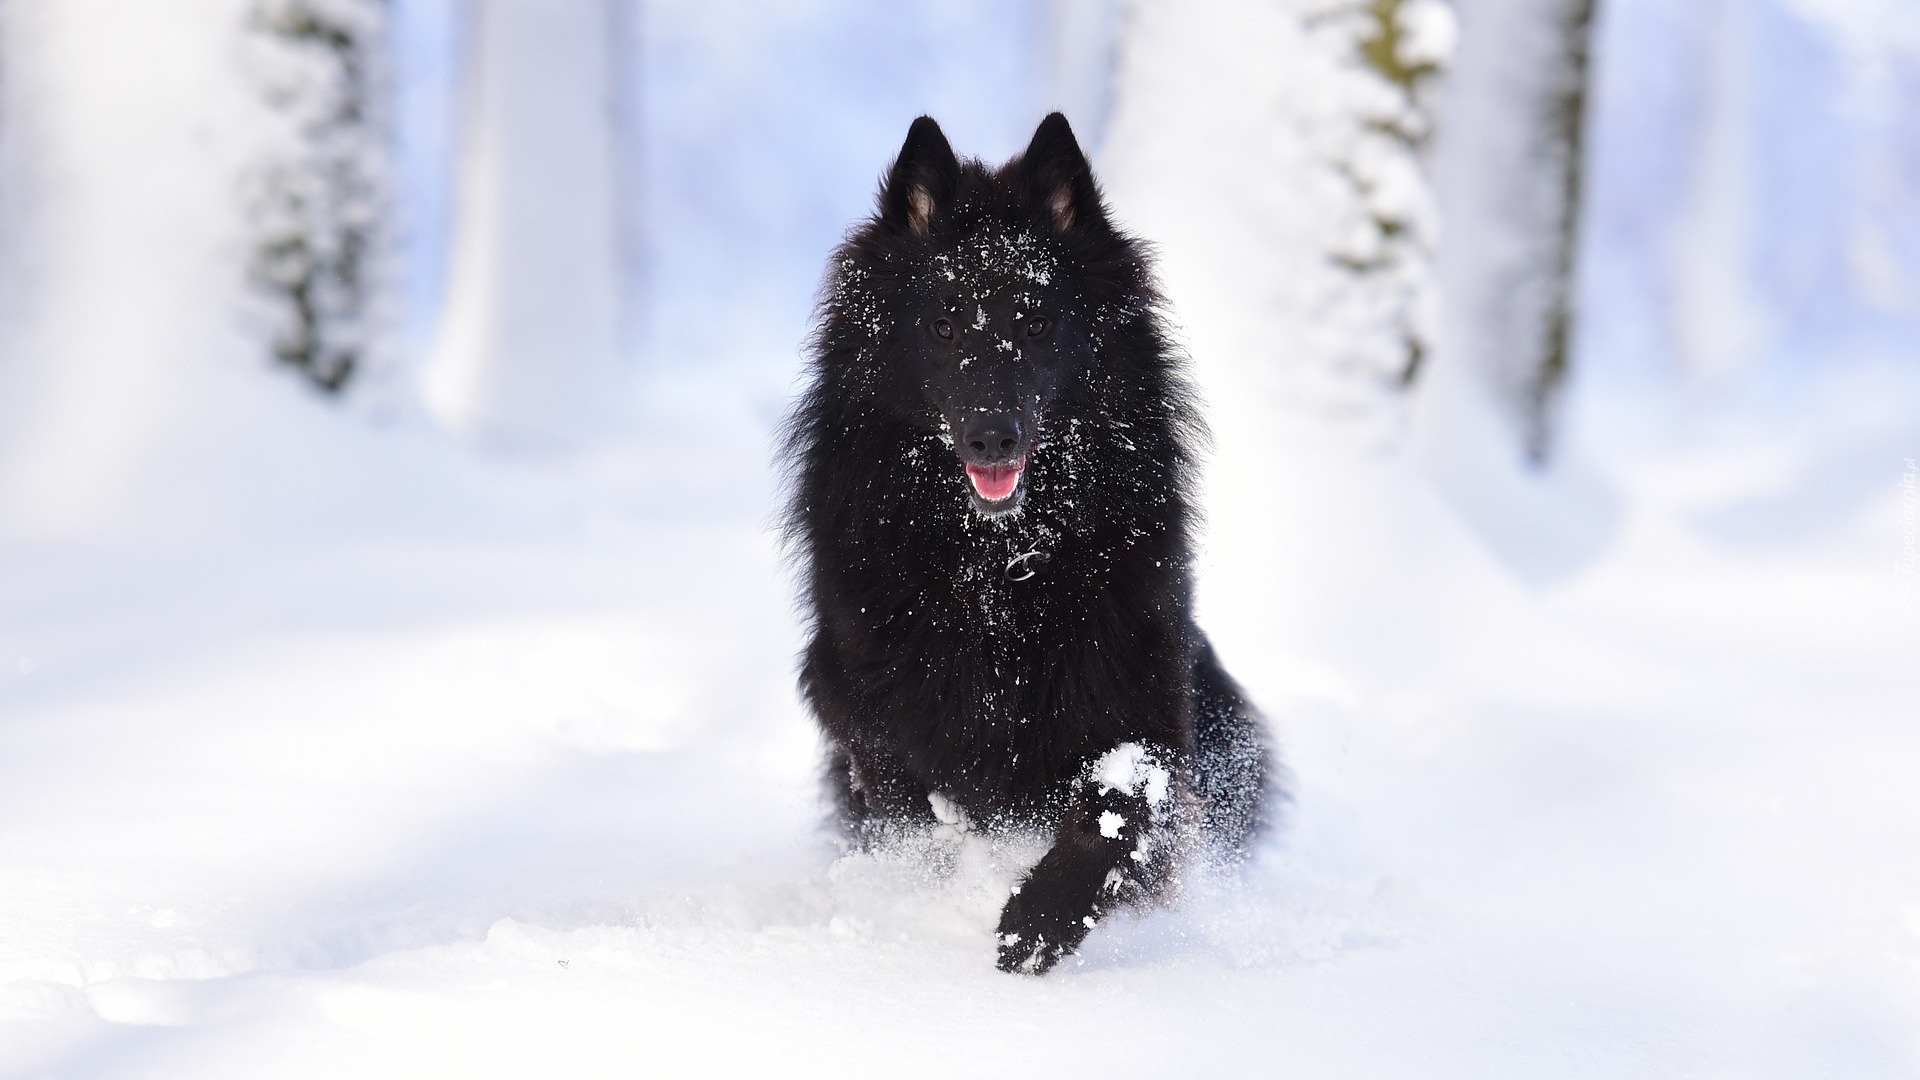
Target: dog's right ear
1058,177
923,180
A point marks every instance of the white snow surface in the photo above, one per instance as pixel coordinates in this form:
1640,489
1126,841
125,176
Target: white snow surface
335,749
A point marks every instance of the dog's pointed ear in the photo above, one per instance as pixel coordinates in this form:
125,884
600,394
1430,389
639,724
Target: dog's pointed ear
1059,181
923,181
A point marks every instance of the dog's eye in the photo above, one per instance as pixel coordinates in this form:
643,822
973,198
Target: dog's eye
1036,326
944,329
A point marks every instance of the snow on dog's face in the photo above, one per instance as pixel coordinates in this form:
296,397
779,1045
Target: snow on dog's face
993,357
988,322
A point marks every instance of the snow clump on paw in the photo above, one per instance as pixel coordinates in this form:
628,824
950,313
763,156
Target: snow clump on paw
1131,770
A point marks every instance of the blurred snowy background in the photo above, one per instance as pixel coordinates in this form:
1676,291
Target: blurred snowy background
396,666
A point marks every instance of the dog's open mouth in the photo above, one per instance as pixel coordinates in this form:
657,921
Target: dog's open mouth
996,484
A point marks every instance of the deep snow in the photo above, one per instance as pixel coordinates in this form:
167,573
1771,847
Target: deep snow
508,803
334,748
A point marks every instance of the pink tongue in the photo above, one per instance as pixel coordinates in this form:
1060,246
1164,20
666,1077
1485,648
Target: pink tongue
996,482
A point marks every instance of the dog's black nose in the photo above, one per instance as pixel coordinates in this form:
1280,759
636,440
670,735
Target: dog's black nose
990,437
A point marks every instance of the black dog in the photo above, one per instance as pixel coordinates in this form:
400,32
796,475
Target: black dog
992,470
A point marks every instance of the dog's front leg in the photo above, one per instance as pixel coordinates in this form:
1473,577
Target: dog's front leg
1120,804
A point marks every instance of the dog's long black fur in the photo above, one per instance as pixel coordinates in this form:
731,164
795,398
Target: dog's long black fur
992,471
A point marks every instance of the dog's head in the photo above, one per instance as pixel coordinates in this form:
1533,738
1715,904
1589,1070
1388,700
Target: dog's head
988,288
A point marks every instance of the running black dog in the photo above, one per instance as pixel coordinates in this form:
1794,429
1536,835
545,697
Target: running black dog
992,470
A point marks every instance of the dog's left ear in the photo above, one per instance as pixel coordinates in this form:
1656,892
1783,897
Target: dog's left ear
1058,178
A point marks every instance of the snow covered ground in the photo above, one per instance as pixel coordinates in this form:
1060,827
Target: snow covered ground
532,799
339,749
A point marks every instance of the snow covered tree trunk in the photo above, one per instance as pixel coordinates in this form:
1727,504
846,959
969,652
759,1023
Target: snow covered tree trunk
1082,43
127,127
320,199
1281,141
1507,163
12,212
1567,125
529,349
1718,318
1405,42
1272,156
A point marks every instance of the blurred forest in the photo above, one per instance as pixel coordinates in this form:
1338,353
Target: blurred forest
397,663
515,219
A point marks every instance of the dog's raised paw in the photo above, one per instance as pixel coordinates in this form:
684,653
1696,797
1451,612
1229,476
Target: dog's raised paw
1033,935
1021,955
